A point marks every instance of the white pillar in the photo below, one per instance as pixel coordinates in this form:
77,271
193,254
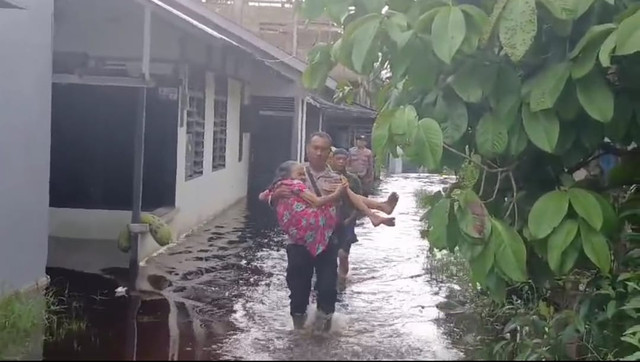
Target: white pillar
146,45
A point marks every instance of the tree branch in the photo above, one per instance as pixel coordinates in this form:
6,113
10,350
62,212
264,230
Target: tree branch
487,169
495,190
513,202
484,175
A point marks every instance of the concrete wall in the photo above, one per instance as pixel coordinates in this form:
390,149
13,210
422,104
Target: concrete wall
25,136
201,198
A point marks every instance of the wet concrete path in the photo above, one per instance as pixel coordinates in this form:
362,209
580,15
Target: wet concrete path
221,294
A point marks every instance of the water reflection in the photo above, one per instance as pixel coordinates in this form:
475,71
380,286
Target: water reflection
222,295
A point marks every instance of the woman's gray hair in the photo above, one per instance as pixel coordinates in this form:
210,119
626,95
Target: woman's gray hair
283,172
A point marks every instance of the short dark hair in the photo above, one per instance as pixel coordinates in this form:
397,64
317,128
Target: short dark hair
320,134
340,151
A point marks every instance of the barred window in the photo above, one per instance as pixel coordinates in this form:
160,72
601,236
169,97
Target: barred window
220,123
194,165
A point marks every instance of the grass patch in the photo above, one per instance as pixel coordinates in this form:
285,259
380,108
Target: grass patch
21,319
29,318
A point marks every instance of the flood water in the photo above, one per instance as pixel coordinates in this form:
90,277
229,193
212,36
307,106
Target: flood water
221,294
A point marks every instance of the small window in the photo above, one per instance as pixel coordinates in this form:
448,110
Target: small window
220,123
194,165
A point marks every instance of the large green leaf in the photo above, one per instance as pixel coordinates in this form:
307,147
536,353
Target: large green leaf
568,106
548,86
401,59
567,9
511,253
491,137
497,286
428,143
447,32
454,235
481,264
404,117
320,63
543,128
380,133
628,37
474,80
559,240
610,221
595,96
498,7
518,139
456,118
596,247
363,39
570,256
398,32
423,74
471,39
585,54
425,21
606,50
518,27
547,213
504,100
473,217
438,223
479,17
586,206
469,248
595,34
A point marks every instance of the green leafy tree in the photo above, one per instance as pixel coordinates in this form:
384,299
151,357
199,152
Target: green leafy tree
515,96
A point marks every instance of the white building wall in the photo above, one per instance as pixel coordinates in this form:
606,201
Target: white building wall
201,198
25,139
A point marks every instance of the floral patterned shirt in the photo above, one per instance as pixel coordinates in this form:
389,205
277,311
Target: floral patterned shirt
304,224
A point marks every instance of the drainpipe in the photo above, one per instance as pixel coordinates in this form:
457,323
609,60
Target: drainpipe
138,162
136,227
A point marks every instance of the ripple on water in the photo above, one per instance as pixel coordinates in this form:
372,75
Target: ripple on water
227,296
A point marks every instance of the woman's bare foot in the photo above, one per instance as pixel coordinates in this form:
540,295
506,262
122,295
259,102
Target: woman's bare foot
390,204
378,220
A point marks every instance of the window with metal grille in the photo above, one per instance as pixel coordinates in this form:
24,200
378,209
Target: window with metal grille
194,165
220,123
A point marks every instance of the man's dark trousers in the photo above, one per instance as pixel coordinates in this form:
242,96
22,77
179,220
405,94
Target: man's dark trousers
300,268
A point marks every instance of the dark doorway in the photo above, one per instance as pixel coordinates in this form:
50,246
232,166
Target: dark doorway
270,146
92,130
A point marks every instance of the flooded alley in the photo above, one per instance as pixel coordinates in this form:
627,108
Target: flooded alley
221,294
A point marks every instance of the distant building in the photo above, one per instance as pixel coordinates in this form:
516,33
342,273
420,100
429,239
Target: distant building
276,22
